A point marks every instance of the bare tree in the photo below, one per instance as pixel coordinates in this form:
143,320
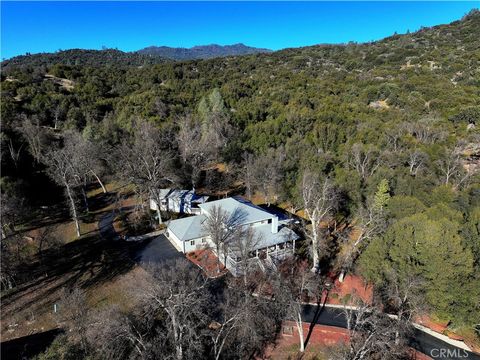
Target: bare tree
73,312
371,223
58,112
450,166
194,152
404,297
179,292
110,336
248,173
424,130
146,162
35,136
393,137
61,169
89,156
416,160
13,151
11,258
216,132
222,227
245,325
364,159
85,157
46,238
242,248
295,285
372,333
236,310
12,212
267,174
319,200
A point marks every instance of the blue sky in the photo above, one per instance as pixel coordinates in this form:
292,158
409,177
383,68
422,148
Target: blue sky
50,26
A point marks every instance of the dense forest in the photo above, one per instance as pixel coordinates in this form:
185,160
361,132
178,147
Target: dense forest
390,129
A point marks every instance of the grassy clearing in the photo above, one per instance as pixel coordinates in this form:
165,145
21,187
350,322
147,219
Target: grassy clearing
102,268
120,292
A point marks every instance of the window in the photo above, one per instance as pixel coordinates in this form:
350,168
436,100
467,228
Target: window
167,233
269,221
204,240
192,242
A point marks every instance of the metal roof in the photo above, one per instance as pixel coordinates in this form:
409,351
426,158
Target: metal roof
267,238
188,228
250,212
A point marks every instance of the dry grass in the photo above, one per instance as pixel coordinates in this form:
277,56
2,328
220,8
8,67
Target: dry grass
290,352
64,83
122,291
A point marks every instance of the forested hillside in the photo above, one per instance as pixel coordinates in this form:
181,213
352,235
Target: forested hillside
392,127
80,57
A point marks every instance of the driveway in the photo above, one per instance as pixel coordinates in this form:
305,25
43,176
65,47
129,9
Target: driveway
157,250
105,226
421,341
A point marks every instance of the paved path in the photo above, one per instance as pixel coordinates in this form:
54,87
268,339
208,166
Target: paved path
156,250
421,341
105,226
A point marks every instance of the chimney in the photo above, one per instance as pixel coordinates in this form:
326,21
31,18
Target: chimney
275,225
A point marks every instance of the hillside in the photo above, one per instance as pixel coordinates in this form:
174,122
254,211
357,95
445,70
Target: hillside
201,52
399,118
147,56
81,57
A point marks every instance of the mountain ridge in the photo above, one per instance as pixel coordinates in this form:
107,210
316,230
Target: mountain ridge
201,51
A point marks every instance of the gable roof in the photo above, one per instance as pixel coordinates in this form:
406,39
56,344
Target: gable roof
188,228
164,193
251,212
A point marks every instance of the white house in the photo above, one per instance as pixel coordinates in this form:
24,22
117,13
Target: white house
178,201
276,240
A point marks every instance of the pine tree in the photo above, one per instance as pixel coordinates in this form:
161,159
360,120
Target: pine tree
382,196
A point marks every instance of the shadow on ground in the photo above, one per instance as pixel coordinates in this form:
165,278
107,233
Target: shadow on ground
82,263
28,346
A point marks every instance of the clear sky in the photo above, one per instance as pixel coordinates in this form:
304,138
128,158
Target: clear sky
49,26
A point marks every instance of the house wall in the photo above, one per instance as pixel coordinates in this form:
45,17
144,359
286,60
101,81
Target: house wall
195,244
153,205
273,221
174,240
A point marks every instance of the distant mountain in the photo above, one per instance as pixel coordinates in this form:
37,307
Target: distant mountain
201,52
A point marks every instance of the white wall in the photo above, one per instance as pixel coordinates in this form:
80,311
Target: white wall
197,244
153,205
174,240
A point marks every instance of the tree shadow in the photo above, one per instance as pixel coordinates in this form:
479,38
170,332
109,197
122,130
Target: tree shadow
86,262
29,346
319,309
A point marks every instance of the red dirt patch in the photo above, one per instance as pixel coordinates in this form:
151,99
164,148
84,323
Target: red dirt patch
207,261
322,337
427,321
353,286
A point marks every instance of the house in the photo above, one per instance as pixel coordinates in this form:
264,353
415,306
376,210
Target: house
275,239
178,201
